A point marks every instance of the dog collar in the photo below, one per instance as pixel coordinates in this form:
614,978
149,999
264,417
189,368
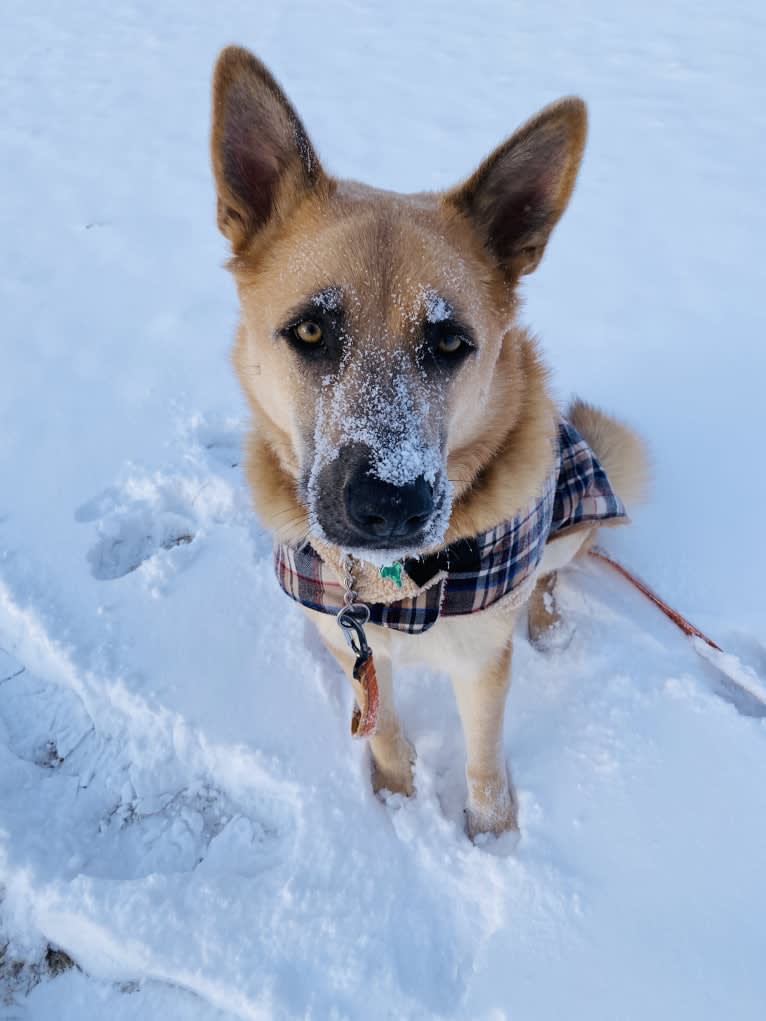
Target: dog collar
472,574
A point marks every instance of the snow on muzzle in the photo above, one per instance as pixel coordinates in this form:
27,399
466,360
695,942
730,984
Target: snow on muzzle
378,485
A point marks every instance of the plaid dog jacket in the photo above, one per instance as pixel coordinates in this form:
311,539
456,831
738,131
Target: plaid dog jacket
471,574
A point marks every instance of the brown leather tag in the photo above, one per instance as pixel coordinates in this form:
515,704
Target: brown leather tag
364,719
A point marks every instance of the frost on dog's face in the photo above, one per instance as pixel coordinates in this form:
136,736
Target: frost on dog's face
374,432
377,347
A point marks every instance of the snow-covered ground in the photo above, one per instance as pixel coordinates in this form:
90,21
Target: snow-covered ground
182,811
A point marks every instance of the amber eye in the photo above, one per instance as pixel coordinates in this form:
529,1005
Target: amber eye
308,332
451,344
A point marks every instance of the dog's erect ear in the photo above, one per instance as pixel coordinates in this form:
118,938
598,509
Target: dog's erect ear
263,160
518,194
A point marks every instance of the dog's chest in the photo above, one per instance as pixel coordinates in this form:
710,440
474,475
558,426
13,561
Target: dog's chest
465,643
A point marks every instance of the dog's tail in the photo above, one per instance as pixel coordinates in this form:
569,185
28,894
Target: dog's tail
621,451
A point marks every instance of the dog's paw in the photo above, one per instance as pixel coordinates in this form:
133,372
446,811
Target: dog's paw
491,806
553,638
548,630
393,769
394,783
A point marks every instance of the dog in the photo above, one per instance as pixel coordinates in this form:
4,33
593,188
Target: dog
405,450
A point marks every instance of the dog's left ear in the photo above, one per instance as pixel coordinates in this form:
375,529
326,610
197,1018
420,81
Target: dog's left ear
519,193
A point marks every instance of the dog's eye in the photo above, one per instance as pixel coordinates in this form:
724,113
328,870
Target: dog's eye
448,343
452,344
308,332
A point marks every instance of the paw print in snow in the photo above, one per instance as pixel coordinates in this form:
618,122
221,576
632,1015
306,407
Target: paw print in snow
130,538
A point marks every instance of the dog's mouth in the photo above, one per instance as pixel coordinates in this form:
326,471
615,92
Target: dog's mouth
376,518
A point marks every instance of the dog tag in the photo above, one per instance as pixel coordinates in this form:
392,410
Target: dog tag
393,573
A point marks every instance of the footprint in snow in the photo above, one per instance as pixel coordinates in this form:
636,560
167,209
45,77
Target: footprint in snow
151,514
124,820
199,828
146,516
39,722
222,443
128,539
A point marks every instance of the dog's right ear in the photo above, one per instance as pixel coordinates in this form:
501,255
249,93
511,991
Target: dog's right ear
263,161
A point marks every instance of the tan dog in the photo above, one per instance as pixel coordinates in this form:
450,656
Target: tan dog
397,405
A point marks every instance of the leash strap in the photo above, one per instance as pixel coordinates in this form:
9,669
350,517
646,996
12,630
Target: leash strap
351,621
680,621
743,679
364,719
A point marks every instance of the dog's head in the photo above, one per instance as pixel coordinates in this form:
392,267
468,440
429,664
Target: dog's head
377,345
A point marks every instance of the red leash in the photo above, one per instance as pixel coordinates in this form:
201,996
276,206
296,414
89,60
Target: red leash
743,678
674,615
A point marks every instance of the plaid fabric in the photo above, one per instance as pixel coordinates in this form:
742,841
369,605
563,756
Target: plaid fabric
306,578
583,492
472,574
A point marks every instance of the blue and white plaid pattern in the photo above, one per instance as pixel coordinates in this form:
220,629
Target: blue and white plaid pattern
472,574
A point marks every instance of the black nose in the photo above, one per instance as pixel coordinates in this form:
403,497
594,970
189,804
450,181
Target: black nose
381,510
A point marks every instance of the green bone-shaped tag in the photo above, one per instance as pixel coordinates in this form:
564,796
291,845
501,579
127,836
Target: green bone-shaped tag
394,572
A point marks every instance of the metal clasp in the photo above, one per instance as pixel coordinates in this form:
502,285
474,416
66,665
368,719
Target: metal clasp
351,621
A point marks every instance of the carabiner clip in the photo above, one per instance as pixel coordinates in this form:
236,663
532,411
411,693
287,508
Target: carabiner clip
351,621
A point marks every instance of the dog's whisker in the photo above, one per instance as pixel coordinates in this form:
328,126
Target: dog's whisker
292,528
283,521
299,514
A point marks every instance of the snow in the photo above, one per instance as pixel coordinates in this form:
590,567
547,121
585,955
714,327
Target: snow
181,808
437,309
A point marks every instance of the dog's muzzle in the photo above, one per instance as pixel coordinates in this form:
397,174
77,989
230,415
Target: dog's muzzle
357,509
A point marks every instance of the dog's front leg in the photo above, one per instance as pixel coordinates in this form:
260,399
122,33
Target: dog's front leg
393,756
481,699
